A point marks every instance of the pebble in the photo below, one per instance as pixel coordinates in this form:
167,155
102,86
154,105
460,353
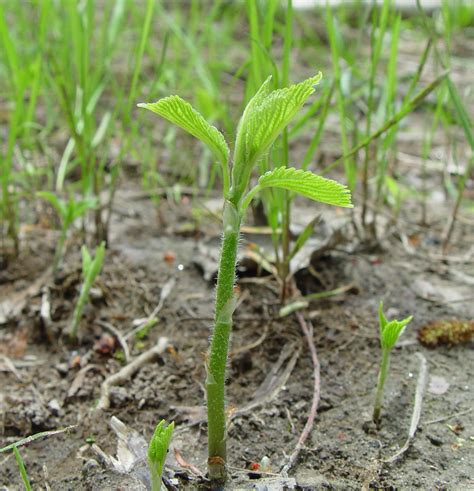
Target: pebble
62,369
89,465
54,407
118,396
435,440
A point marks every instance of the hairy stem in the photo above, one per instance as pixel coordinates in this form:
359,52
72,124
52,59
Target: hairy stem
215,382
384,364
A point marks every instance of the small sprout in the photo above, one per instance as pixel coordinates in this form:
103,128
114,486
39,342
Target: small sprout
68,211
447,332
390,331
265,117
90,269
157,451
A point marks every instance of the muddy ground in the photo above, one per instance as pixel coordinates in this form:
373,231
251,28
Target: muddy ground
47,384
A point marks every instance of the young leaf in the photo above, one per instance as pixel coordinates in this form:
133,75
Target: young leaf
86,260
305,183
182,114
96,264
390,331
157,451
382,319
393,330
264,118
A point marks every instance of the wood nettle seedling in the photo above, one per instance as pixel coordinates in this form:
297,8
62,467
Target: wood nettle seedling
390,331
157,452
263,120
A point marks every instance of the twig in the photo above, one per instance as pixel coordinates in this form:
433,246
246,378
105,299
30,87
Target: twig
10,366
186,465
37,436
446,418
120,338
45,312
165,291
127,371
250,346
274,381
415,417
308,332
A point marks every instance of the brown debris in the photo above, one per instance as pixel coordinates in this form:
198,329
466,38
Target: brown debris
446,332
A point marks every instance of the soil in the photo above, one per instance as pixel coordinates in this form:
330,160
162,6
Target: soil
43,392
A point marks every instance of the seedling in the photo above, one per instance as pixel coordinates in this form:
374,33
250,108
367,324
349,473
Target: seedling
264,118
22,469
157,451
69,211
90,269
390,331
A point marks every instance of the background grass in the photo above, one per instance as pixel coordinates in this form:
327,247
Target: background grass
71,73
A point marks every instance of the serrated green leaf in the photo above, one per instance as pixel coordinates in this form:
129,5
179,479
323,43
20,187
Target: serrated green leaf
182,114
307,184
264,118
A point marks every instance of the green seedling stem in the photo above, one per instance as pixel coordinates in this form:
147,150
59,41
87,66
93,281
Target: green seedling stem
22,469
390,331
157,452
265,117
68,211
90,269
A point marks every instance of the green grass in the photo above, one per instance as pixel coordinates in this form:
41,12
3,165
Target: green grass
54,84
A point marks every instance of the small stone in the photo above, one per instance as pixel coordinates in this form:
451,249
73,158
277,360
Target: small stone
54,407
118,396
96,293
89,465
62,369
435,439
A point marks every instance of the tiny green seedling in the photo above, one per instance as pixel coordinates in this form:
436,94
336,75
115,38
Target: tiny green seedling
157,452
69,211
265,117
90,269
390,331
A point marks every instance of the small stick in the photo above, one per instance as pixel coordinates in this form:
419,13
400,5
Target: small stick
165,292
308,332
45,312
118,335
36,436
415,417
127,371
446,418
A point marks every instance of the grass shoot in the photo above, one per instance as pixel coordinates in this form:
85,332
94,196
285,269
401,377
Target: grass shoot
91,267
68,211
